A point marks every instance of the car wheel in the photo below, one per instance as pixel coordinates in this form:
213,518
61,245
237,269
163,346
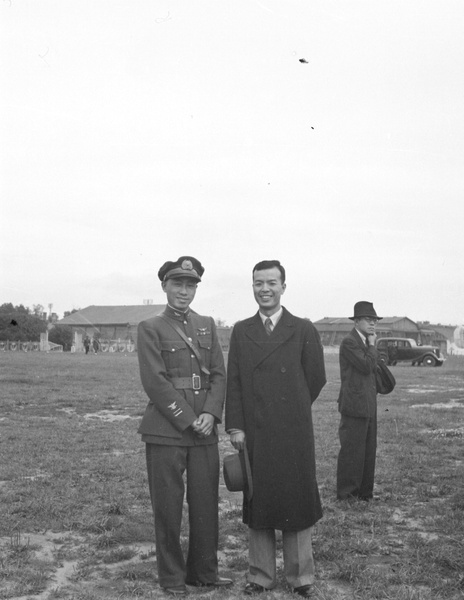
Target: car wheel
429,361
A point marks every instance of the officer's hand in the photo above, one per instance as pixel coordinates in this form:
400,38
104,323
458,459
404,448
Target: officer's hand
203,426
238,440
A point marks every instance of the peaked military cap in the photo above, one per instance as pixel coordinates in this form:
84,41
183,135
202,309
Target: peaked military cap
184,266
364,309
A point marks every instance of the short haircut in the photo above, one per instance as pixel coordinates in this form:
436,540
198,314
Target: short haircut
270,264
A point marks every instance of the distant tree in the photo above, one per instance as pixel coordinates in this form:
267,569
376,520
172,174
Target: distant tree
8,308
61,334
70,312
220,322
18,324
37,310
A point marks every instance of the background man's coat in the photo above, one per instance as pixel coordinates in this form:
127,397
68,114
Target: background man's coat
357,403
272,382
358,390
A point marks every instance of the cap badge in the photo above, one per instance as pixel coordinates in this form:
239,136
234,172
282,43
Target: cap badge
187,265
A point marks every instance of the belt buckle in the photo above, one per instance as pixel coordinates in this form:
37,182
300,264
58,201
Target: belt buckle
196,382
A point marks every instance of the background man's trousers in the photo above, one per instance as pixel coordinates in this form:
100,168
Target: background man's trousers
298,557
356,460
166,466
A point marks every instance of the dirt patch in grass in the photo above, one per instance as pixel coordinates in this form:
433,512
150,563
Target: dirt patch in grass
76,520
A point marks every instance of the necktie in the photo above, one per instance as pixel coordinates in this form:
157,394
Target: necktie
268,326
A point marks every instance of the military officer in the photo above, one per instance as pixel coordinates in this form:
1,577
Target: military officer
182,372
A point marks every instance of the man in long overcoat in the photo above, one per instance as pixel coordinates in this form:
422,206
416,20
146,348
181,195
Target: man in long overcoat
357,404
275,372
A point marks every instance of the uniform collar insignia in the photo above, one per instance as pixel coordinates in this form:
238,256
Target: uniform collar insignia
173,312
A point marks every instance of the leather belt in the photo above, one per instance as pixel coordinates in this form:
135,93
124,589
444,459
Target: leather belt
190,383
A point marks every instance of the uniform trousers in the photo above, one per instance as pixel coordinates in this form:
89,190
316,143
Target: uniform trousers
297,553
356,459
166,466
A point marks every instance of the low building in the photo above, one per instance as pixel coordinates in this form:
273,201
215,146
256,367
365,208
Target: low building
109,324
332,330
116,326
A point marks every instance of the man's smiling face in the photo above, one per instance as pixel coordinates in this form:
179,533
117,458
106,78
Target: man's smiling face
268,289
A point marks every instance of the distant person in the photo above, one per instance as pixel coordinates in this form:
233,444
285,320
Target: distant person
95,345
183,374
357,403
275,372
86,344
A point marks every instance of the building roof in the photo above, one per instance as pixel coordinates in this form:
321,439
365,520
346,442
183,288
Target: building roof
346,321
112,315
345,324
335,320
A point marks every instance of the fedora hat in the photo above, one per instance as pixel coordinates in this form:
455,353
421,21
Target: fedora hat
237,473
364,309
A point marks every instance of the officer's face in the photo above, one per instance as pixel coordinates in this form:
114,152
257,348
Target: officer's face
180,292
268,289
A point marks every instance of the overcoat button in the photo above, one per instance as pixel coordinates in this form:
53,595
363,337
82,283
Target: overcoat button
283,370
283,399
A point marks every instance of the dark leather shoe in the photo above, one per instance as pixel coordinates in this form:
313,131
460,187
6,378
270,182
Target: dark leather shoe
220,582
176,590
307,591
253,588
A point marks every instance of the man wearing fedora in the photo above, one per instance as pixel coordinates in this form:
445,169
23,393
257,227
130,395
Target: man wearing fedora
275,372
182,372
357,403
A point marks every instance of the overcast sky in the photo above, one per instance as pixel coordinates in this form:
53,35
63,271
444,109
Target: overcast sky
136,131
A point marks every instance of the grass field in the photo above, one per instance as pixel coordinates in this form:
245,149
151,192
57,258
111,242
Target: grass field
75,516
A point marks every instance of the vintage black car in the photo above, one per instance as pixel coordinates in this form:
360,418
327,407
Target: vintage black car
394,350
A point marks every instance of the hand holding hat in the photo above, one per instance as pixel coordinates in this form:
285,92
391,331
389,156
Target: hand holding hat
237,473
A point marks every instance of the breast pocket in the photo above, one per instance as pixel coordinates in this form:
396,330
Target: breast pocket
174,354
204,343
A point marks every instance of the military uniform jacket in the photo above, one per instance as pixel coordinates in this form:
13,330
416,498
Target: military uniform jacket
164,355
272,382
358,391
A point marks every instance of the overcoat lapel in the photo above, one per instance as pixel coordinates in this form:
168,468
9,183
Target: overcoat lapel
265,344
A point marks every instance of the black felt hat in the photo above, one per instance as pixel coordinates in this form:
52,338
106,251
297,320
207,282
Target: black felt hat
364,309
237,473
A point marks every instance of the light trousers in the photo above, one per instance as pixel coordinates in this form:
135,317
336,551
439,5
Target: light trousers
297,554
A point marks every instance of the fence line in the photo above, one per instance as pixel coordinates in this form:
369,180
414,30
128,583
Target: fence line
107,346
19,346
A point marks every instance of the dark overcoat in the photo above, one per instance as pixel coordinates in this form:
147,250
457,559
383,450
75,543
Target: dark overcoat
272,382
358,390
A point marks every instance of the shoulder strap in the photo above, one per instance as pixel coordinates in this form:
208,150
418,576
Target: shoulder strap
192,346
